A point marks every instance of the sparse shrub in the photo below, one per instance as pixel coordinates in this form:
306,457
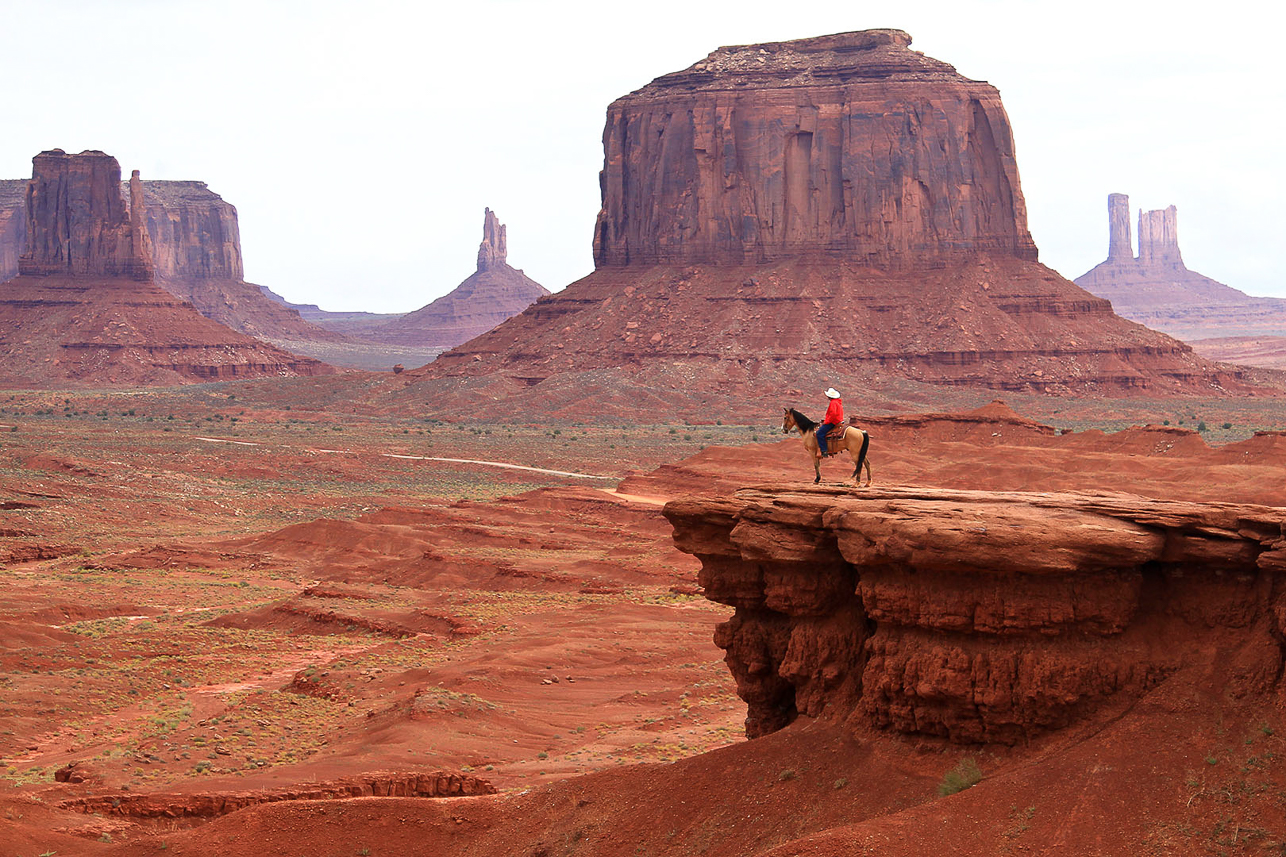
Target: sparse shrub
840,783
786,775
542,755
1201,426
965,774
1227,425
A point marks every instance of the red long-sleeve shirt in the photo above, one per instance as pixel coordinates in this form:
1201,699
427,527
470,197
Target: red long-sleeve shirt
834,412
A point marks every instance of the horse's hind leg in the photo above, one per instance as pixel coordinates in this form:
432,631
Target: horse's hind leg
861,461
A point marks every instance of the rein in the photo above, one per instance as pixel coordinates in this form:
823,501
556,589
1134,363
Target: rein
802,422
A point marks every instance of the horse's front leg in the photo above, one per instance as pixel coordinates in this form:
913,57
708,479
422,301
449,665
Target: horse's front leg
817,466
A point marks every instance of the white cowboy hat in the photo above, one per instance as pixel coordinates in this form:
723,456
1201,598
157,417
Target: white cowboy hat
832,393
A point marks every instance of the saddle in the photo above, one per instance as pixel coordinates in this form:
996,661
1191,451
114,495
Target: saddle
838,432
834,436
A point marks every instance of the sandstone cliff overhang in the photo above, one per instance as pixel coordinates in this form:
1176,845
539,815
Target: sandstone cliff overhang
981,616
847,146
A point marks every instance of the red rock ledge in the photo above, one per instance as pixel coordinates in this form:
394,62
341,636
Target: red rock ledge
980,616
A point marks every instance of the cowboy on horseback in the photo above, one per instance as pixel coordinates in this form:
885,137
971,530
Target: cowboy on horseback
834,416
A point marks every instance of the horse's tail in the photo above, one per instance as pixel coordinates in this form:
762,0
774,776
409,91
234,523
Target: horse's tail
861,453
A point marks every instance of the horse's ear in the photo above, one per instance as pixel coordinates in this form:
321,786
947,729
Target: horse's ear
785,410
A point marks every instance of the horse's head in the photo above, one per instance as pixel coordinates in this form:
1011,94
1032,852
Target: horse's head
788,422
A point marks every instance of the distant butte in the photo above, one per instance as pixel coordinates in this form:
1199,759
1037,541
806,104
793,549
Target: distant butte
195,248
490,295
1157,289
85,308
838,210
196,244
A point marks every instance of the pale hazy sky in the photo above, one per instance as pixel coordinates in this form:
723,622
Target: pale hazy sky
360,141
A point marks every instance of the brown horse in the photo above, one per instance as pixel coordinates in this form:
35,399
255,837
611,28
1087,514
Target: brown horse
854,439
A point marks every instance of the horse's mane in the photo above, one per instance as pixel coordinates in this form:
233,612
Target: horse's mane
802,421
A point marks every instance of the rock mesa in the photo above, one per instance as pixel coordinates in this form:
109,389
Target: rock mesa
849,146
836,210
85,308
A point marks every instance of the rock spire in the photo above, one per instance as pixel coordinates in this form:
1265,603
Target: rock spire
1157,289
492,252
1120,245
490,295
1159,238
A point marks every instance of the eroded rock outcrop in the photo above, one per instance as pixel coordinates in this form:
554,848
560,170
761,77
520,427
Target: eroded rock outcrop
832,211
438,784
78,223
85,308
493,293
197,256
1157,289
13,225
187,233
847,146
980,616
194,232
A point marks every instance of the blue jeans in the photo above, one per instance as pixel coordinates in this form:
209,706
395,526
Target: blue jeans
822,430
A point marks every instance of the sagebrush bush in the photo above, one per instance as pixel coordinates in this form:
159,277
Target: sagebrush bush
966,773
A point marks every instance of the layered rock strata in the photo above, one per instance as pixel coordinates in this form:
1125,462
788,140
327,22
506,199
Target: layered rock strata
848,146
197,256
832,211
85,308
980,616
493,293
193,242
13,225
1157,289
439,784
194,232
79,224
